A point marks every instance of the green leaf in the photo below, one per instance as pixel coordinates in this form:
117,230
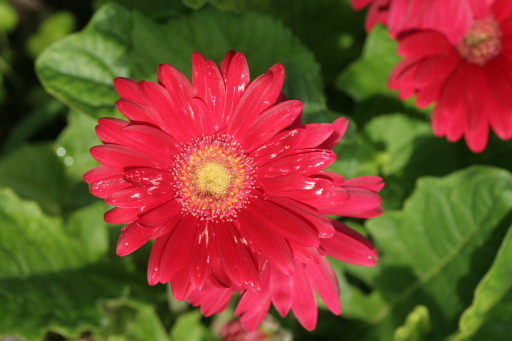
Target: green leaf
34,172
147,326
401,149
80,69
73,144
368,75
188,327
488,317
436,249
8,17
33,243
416,325
40,255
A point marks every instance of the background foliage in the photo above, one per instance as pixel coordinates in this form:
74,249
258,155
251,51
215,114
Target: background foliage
445,239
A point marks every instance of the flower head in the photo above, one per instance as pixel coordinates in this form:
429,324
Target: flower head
220,173
470,80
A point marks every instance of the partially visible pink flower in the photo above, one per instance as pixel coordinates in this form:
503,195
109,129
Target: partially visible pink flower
377,13
453,17
470,82
296,291
234,331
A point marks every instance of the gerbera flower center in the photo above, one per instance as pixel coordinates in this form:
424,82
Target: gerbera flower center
482,43
214,178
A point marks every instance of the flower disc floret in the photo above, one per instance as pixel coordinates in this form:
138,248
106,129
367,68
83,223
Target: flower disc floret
214,178
482,43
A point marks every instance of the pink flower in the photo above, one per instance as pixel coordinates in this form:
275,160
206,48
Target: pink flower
295,291
454,18
470,82
220,173
378,11
234,331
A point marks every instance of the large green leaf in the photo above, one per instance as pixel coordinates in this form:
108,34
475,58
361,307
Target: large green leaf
368,75
188,327
80,69
40,256
488,317
401,149
435,250
33,243
35,173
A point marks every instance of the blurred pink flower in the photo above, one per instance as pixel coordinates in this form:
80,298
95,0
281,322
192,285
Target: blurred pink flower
453,17
470,81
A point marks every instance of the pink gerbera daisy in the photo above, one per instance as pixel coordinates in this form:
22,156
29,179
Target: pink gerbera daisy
470,81
215,173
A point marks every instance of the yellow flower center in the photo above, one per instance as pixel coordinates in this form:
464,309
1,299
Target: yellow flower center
213,178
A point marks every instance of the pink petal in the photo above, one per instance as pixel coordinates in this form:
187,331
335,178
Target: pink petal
236,79
103,188
254,305
99,173
349,246
319,223
340,127
180,93
149,177
360,200
303,162
122,215
316,133
122,158
325,283
159,143
199,257
132,237
423,44
160,215
155,259
371,183
237,264
224,64
140,196
270,122
167,116
215,94
298,187
108,129
269,244
133,111
282,222
279,146
128,89
261,94
333,199
304,254
280,290
180,284
177,249
303,298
